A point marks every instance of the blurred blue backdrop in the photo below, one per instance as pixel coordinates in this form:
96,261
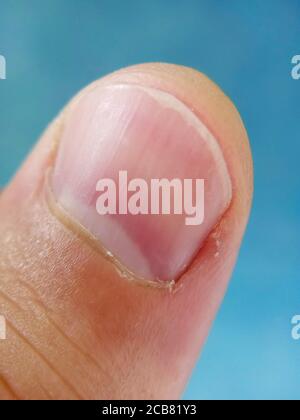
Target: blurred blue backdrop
54,48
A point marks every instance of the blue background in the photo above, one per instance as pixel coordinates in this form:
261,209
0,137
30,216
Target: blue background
53,48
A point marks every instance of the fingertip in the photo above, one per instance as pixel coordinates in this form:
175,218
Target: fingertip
149,332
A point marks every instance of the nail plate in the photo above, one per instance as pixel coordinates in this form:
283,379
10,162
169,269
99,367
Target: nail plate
143,135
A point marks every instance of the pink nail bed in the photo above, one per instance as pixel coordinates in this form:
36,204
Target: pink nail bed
145,134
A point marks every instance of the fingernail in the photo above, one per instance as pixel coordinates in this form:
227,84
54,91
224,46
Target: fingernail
122,139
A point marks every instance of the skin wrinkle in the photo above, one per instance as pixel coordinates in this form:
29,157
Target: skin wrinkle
34,297
28,343
48,395
45,311
4,383
40,356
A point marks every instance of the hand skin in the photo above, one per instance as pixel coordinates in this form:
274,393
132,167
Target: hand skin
76,328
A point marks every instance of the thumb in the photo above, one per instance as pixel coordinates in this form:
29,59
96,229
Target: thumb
118,306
